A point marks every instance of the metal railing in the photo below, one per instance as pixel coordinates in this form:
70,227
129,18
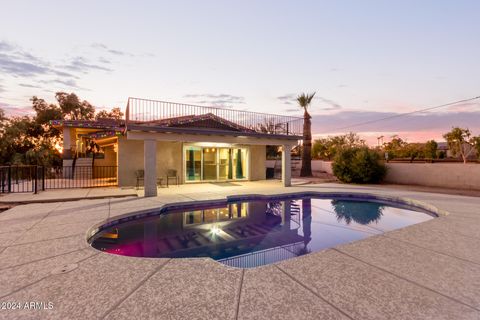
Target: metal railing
80,177
160,113
19,178
260,258
31,178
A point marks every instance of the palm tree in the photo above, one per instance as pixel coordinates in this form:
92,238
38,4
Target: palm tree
304,101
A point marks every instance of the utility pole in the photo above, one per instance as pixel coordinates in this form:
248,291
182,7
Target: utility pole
378,141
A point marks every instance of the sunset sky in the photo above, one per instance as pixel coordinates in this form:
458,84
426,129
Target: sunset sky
365,59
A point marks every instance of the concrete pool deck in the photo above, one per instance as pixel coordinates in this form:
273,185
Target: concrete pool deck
55,195
426,271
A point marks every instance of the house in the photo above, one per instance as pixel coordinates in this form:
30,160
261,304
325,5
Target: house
197,144
469,149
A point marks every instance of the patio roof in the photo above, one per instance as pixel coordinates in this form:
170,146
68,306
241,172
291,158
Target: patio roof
208,131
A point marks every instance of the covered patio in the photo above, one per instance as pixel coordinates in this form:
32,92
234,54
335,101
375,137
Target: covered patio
202,144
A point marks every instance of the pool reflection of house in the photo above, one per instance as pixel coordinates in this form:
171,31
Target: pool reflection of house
226,233
197,144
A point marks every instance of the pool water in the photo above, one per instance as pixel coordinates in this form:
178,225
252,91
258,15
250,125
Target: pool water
254,233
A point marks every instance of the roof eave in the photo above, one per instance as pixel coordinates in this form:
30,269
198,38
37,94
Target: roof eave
134,127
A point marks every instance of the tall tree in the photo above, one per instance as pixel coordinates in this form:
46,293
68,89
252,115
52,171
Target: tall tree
327,148
46,112
431,147
304,100
3,120
476,144
33,140
23,141
74,109
115,113
2,115
395,148
460,141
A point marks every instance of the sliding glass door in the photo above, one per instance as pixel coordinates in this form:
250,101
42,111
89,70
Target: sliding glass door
215,164
193,164
225,164
209,164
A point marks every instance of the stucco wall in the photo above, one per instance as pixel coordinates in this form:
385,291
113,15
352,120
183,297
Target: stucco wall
317,165
105,168
68,142
110,157
447,175
130,159
169,156
325,166
258,157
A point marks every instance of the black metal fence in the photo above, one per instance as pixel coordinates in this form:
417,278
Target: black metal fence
14,179
19,179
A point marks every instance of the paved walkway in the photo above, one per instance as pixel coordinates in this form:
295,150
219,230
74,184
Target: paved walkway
55,195
426,271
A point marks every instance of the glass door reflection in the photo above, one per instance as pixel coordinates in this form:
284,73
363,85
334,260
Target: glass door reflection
240,163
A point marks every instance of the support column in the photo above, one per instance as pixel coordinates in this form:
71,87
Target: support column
67,139
150,167
286,166
67,156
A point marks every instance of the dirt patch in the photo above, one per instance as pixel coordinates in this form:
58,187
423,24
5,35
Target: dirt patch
318,177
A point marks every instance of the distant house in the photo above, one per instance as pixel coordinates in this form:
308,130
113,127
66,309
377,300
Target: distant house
443,147
194,143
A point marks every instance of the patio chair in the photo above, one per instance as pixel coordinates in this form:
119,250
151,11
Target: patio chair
172,174
140,175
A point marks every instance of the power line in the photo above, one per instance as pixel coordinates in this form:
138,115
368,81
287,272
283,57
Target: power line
402,114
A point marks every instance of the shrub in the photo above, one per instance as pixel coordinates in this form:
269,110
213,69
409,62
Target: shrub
431,149
358,165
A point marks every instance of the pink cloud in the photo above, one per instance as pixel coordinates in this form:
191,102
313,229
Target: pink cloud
16,110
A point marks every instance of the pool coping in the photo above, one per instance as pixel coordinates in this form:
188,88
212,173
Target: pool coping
131,216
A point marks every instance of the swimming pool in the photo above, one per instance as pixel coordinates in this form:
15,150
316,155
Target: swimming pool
254,232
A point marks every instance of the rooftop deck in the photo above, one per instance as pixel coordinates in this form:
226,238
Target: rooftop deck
162,114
